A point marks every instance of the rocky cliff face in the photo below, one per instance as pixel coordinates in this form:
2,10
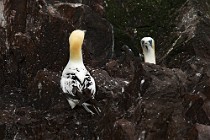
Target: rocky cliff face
169,100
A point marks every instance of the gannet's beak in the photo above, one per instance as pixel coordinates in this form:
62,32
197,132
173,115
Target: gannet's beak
143,45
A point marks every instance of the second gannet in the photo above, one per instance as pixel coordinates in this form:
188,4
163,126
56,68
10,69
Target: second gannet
148,47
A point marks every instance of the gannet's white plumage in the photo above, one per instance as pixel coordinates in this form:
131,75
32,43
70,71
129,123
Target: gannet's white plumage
75,77
148,47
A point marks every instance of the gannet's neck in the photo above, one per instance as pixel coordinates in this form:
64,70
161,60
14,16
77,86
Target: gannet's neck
75,47
76,56
149,56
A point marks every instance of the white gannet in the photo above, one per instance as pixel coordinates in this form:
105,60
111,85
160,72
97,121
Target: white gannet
76,82
148,47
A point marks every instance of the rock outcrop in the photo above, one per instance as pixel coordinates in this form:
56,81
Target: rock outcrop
137,100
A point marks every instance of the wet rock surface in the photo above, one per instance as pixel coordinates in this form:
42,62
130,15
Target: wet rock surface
137,100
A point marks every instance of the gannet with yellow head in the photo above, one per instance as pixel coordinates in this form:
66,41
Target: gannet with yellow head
148,47
76,82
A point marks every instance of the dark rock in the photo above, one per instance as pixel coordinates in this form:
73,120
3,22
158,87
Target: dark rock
2,39
2,46
134,20
96,5
123,130
201,132
108,87
195,113
160,94
173,79
2,131
15,15
124,66
188,37
12,97
96,49
206,108
47,27
43,91
2,49
137,100
149,103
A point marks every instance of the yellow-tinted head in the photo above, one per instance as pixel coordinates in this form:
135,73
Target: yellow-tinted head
75,40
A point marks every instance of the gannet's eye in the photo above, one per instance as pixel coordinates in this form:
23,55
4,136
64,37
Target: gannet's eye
150,42
142,42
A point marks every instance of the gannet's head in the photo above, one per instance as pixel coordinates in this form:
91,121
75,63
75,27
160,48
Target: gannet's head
76,39
148,47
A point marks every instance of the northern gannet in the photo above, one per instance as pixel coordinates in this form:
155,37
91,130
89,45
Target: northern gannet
148,47
76,82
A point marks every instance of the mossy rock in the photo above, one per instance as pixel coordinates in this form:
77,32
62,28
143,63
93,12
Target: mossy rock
132,20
